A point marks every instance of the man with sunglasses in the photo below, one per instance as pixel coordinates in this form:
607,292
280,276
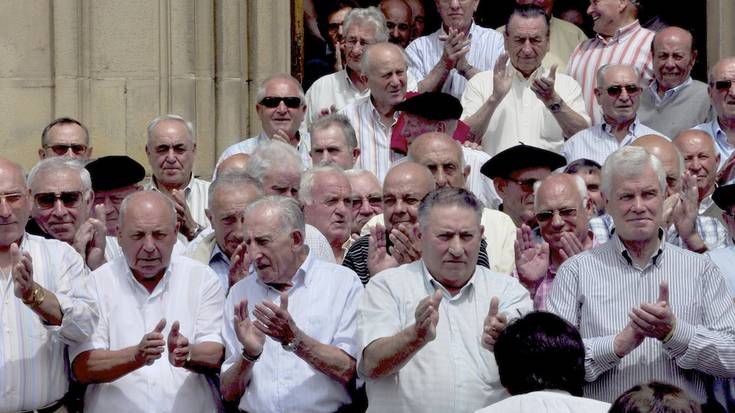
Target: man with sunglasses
65,137
281,107
367,198
618,94
721,90
45,305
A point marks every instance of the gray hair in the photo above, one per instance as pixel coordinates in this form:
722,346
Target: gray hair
270,155
189,126
628,162
365,61
355,173
170,206
260,94
340,121
307,181
232,180
60,163
448,197
63,121
369,16
604,68
578,182
290,215
711,71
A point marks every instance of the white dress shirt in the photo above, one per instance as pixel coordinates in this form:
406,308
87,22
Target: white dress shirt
322,303
188,292
547,401
454,372
32,362
597,142
724,258
197,195
521,116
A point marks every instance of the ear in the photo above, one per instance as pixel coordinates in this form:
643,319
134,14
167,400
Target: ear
147,150
298,238
194,148
209,216
355,154
717,158
41,153
589,206
466,171
363,77
598,94
500,185
441,126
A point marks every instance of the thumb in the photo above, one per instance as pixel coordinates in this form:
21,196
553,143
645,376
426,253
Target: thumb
159,327
174,328
663,291
552,72
284,300
494,303
14,254
436,298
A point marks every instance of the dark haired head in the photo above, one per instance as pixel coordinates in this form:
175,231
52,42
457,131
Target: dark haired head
655,397
528,11
63,121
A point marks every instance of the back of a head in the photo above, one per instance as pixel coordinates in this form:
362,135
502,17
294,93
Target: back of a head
272,154
655,397
540,351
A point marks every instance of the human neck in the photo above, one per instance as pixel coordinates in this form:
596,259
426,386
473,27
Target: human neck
465,30
642,251
169,187
149,283
619,129
356,79
622,24
386,112
728,126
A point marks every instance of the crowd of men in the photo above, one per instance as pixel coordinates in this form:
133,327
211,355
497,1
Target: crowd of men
520,219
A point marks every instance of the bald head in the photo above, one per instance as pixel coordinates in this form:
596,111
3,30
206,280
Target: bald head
234,164
443,156
399,20
384,65
701,158
673,57
405,185
144,202
15,204
670,158
12,171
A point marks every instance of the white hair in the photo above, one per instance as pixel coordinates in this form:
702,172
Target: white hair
290,215
271,155
604,68
365,60
260,94
307,181
369,16
189,126
229,181
61,163
578,182
628,162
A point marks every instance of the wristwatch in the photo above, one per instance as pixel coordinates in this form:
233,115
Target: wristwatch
555,107
37,296
291,345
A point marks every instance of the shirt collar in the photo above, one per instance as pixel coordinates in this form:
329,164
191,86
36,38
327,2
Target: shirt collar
187,189
432,284
653,86
517,75
631,129
300,277
377,117
621,34
158,290
218,254
625,255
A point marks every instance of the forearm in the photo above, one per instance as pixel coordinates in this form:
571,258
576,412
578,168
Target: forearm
234,381
570,121
479,121
385,356
104,366
206,357
695,243
330,360
434,81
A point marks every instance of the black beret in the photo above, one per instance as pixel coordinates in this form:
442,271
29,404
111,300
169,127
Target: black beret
724,196
113,172
521,157
432,105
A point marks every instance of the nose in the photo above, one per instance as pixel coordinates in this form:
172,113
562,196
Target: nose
59,208
455,246
441,178
556,221
5,209
527,49
109,206
148,243
170,155
638,204
365,208
282,107
454,4
394,32
590,9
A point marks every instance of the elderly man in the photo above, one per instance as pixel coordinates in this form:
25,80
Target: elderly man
418,12
229,195
367,198
514,171
446,59
435,358
674,101
620,40
327,199
291,323
398,20
523,102
722,96
333,141
65,137
171,148
139,295
701,160
445,159
114,178
563,210
384,66
618,93
281,107
646,309
235,164
45,304
564,36
590,172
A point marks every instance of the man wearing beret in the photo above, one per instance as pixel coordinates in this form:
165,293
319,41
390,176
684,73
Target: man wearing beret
114,178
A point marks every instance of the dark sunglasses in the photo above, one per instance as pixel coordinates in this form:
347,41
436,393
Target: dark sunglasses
723,85
617,90
62,149
46,200
565,213
291,102
525,184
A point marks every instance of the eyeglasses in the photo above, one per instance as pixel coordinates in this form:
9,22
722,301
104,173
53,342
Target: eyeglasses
565,213
62,149
47,200
525,184
616,90
291,102
722,85
373,200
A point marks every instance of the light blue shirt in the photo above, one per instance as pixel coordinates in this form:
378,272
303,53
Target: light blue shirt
597,142
724,258
724,147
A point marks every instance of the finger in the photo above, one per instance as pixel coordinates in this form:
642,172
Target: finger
663,292
552,72
99,211
436,299
242,310
14,254
494,304
153,341
174,329
284,301
644,314
159,327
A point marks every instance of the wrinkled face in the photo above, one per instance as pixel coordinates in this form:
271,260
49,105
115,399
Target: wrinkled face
226,215
282,182
334,22
66,139
560,210
387,76
517,193
527,42
171,153
419,18
443,160
636,206
331,208
398,21
147,236
619,104
402,193
607,15
700,158
273,252
275,114
367,200
15,204
329,145
59,203
672,60
722,96
415,125
112,199
457,13
357,39
450,244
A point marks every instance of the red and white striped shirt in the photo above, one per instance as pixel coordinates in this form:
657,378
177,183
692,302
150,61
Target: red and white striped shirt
631,45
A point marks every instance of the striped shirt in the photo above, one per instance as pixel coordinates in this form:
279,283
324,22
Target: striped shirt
373,138
722,143
630,44
249,146
486,45
32,361
597,142
596,289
